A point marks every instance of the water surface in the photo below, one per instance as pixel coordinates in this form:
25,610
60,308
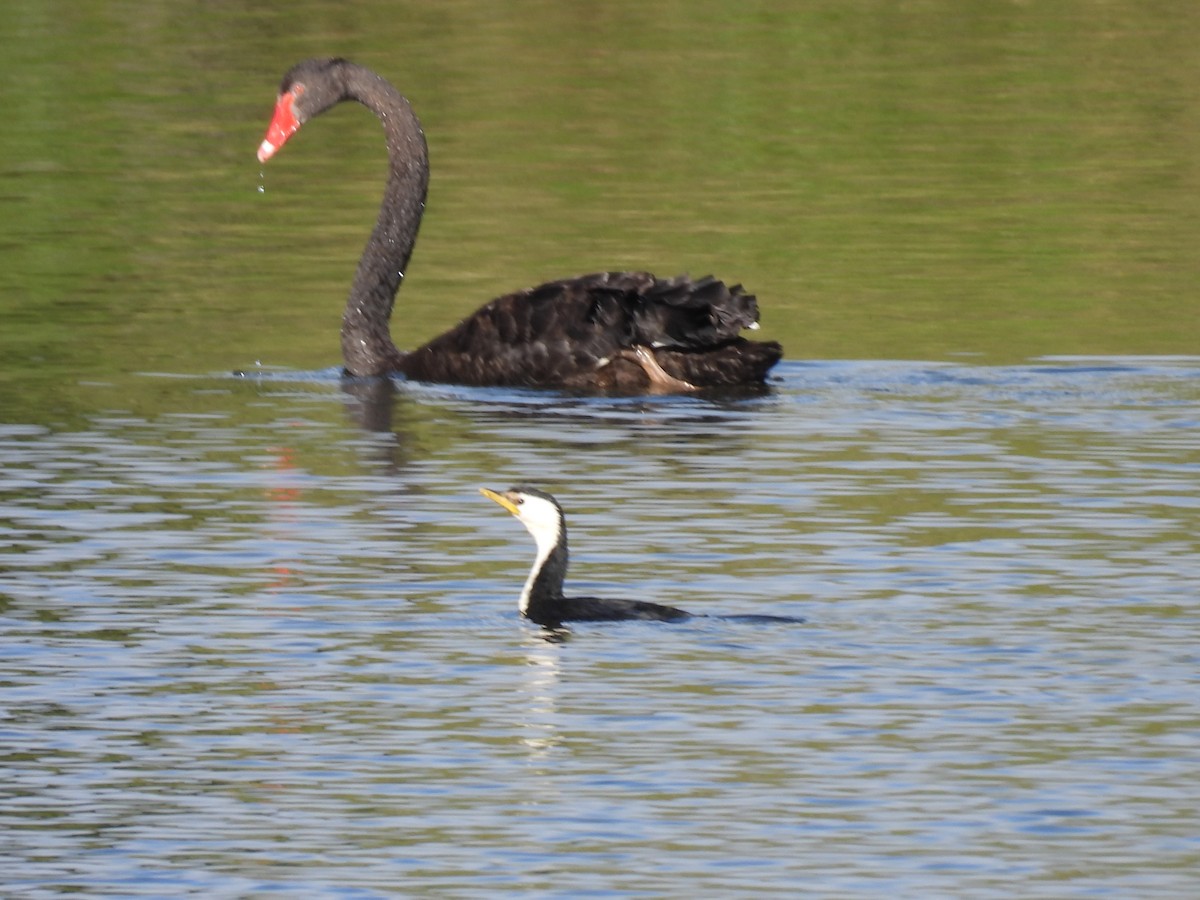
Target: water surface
267,644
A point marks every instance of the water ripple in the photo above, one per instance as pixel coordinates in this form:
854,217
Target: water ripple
271,645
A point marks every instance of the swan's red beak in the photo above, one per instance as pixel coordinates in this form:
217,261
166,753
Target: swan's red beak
283,125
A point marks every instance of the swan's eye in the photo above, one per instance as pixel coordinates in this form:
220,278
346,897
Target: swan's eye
519,501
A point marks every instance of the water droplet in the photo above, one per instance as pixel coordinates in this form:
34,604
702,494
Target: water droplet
262,181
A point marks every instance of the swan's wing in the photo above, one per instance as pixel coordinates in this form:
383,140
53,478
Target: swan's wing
563,332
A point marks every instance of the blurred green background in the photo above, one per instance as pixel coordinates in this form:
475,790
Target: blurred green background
892,179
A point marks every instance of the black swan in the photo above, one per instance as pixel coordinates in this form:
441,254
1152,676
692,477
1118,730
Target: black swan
542,599
626,332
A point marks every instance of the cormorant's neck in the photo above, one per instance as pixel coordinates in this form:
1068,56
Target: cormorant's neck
367,346
541,598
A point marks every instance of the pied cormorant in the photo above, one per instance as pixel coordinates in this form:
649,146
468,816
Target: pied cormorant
542,600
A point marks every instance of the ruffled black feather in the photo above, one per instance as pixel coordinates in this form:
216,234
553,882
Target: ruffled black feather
571,332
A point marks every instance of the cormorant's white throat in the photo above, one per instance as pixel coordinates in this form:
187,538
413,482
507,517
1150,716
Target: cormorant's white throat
541,515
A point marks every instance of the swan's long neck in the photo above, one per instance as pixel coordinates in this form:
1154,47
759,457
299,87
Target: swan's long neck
367,346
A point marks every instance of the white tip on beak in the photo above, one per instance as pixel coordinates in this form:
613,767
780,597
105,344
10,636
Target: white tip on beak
266,150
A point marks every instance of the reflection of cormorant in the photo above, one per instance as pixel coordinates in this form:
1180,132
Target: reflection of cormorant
542,599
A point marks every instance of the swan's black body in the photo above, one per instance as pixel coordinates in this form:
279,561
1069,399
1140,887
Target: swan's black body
614,331
542,599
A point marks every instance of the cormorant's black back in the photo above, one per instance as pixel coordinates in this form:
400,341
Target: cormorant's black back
553,612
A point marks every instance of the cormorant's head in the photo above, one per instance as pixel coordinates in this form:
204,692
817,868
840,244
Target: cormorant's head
538,511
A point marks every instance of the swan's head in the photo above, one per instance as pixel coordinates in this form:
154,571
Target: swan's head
308,89
538,511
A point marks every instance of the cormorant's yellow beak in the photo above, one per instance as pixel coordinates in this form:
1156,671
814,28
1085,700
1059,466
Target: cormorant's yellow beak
501,499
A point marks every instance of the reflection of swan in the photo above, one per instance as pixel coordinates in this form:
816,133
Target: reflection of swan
542,599
622,331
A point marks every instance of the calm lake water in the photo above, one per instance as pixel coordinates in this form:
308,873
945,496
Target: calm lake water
254,647
260,634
